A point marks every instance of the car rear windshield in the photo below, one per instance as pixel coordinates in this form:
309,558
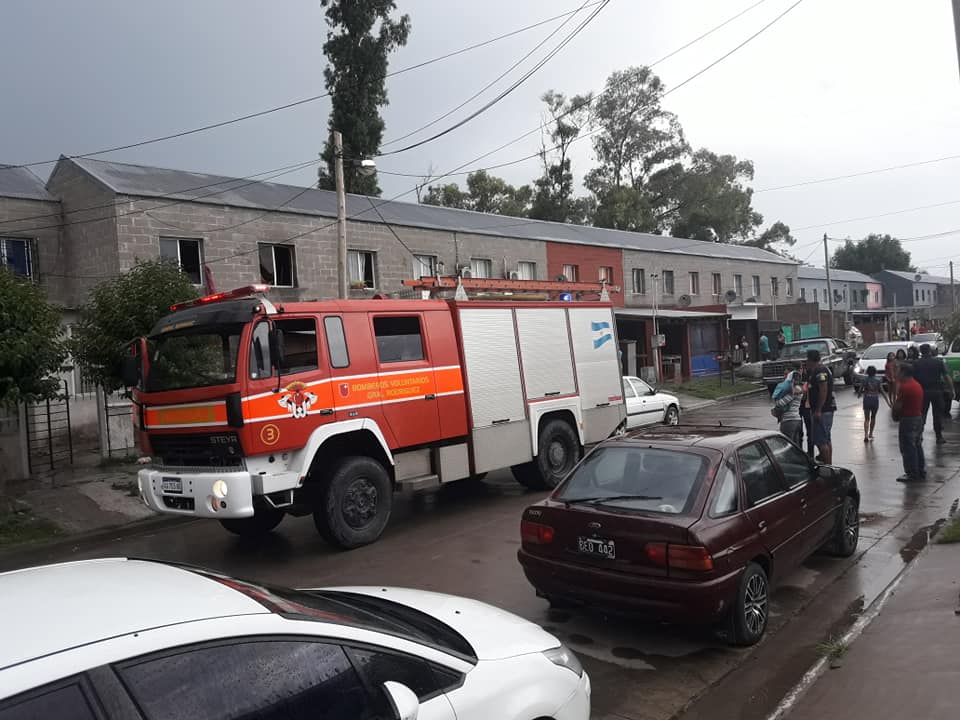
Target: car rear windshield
638,478
798,351
345,608
878,352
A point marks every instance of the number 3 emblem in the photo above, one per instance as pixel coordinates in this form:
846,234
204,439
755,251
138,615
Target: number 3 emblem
269,434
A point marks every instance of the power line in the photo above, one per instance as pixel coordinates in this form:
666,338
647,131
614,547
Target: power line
313,98
875,171
526,76
879,215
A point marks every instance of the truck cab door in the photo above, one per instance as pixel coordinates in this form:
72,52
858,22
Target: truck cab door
407,380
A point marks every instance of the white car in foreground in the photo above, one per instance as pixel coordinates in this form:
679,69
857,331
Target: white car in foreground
646,406
118,638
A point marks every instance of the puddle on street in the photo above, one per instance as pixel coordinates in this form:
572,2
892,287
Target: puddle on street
919,540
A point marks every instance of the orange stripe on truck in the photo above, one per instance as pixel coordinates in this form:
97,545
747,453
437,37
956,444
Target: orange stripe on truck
214,413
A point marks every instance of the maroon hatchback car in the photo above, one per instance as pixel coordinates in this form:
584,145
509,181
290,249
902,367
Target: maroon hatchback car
689,524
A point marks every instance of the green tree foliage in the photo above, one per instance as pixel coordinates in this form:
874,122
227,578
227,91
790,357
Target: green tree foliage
484,193
871,255
121,310
553,198
31,349
360,36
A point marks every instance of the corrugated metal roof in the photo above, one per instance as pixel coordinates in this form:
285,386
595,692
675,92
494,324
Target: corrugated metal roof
144,181
912,277
20,182
812,273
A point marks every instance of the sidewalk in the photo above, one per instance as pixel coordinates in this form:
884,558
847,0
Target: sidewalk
906,664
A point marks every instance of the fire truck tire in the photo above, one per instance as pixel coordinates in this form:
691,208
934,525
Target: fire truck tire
265,520
559,451
353,505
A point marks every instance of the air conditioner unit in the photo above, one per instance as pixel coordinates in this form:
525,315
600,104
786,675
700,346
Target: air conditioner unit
562,278
465,272
515,275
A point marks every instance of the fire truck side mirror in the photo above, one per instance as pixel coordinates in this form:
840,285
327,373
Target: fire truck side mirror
130,371
278,356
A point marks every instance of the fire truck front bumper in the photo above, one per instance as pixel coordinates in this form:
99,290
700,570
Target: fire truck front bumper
222,495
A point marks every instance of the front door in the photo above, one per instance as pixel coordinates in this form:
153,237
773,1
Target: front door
644,407
773,512
408,391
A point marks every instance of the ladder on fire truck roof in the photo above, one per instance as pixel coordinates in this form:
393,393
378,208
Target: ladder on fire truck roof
510,289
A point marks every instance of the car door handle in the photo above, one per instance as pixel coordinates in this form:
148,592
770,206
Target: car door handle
327,411
803,503
431,396
762,526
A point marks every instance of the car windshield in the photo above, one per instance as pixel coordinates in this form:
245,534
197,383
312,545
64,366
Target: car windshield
877,352
638,478
926,338
798,351
193,357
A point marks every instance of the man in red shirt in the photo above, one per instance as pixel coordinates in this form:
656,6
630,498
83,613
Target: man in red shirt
909,407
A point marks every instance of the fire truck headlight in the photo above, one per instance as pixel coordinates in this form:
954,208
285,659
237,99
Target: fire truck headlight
220,489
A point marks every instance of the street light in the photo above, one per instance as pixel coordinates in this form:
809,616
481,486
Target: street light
365,168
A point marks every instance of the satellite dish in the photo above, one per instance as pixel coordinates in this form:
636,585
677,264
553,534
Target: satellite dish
730,295
562,278
684,301
837,296
918,277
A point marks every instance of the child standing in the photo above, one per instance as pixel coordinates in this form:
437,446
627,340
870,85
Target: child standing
872,391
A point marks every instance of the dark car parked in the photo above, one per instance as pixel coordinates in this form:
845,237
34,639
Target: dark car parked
689,524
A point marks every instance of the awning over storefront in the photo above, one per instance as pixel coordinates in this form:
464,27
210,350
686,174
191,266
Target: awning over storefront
669,314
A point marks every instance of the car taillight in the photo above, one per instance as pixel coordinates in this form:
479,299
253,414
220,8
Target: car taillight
535,533
679,557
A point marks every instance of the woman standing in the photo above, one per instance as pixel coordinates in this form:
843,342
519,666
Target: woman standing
805,413
872,392
890,374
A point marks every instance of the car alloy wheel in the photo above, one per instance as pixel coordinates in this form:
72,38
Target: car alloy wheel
851,525
755,604
672,416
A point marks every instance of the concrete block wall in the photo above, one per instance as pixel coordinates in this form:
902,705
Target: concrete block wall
683,264
39,222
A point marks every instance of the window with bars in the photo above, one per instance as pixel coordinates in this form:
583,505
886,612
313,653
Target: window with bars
775,286
188,254
789,287
694,283
738,285
361,266
277,266
424,266
668,288
605,274
756,286
16,257
639,281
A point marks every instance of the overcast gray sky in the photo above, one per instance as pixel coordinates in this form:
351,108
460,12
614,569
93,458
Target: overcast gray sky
835,87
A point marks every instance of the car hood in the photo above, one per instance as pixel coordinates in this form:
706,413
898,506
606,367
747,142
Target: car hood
494,634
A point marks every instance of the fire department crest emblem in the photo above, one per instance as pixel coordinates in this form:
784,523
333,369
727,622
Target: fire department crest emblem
344,390
297,399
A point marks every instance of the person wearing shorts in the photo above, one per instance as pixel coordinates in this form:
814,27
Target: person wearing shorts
872,390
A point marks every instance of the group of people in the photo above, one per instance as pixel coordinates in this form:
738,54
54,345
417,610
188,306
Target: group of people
765,351
913,384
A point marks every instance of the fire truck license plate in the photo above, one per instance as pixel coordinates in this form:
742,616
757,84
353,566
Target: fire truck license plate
171,485
595,546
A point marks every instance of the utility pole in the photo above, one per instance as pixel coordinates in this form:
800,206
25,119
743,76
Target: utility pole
953,291
343,284
655,350
826,266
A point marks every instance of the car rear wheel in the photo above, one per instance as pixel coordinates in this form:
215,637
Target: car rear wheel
751,609
558,451
846,534
264,520
354,502
672,416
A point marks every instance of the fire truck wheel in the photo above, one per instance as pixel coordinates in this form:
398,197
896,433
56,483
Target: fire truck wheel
559,451
354,503
265,520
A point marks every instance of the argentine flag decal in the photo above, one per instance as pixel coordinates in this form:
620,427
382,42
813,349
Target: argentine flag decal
601,332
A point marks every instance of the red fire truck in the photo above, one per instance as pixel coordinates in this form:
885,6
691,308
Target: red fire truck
251,410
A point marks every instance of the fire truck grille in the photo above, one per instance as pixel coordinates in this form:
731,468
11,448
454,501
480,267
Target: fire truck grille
202,450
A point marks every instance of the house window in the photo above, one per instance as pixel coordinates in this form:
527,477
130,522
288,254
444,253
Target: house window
876,296
277,265
424,266
361,268
605,274
916,294
188,253
775,286
717,284
527,270
480,268
756,286
694,283
803,293
639,281
15,256
815,295
571,273
668,282
789,287
738,285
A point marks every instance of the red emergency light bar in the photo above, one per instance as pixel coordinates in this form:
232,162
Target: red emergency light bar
242,292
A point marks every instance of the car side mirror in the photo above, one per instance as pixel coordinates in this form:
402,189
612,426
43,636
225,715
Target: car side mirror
403,701
652,391
278,355
130,371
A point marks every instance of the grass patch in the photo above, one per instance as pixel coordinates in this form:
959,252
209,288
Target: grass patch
951,533
833,650
25,527
712,388
128,486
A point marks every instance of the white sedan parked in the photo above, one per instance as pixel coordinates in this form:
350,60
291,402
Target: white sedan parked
119,638
646,406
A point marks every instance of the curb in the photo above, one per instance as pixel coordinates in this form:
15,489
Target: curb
728,398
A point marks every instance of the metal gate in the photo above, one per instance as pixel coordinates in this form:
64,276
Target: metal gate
49,439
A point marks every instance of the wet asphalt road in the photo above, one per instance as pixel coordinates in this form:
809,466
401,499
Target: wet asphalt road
463,540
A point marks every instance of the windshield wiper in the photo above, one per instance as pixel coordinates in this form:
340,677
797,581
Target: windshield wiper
597,500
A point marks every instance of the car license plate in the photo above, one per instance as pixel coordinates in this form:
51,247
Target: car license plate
171,485
595,546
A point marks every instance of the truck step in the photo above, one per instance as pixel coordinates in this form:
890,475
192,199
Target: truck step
420,482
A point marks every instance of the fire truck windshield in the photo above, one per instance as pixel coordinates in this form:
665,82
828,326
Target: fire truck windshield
197,356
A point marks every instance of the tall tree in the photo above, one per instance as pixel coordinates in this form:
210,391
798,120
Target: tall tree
871,255
485,193
553,198
360,36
